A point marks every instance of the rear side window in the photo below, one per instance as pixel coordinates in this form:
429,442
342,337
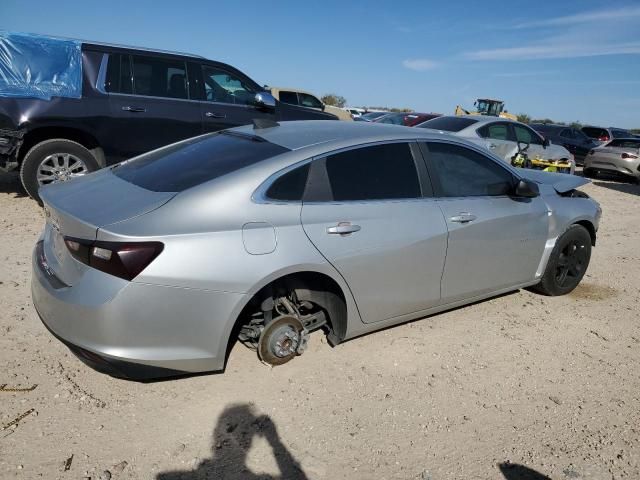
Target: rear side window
373,173
448,124
290,186
307,100
159,77
461,172
189,163
289,97
495,131
118,78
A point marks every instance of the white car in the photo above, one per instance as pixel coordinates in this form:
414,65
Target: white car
501,136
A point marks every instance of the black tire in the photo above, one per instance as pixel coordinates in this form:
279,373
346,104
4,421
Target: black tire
589,173
568,262
36,156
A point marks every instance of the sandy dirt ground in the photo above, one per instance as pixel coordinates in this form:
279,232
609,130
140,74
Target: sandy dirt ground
518,387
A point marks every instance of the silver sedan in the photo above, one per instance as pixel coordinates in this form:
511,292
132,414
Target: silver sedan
619,156
157,265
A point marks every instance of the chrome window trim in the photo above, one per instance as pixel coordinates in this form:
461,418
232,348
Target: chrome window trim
102,74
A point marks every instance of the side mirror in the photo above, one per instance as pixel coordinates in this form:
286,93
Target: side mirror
264,100
545,142
323,107
526,189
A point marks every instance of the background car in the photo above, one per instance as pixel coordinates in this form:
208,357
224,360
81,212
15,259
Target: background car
501,136
619,156
292,96
87,105
407,119
370,116
355,112
334,227
570,138
602,135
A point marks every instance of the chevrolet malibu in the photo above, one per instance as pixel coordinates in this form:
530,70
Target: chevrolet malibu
267,233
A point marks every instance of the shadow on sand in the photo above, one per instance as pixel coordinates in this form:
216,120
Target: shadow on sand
233,436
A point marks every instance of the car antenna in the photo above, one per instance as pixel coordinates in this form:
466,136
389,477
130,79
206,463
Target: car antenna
259,123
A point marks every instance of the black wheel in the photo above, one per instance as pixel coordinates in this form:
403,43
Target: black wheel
568,262
53,161
280,339
589,173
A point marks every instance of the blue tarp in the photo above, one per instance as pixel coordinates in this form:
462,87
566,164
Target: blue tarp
37,66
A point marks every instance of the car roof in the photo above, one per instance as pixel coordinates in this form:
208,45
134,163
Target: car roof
299,134
482,119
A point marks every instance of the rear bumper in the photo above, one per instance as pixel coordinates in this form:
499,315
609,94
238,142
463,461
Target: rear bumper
133,330
10,142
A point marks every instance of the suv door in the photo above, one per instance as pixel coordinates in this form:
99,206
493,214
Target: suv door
499,139
366,210
228,99
149,102
495,240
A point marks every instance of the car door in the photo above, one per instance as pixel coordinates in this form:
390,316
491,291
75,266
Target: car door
149,102
495,240
228,99
499,139
525,135
370,216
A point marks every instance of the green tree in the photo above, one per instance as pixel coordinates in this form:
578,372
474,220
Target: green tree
334,100
524,118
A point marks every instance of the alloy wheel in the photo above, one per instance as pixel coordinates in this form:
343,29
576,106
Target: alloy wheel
60,167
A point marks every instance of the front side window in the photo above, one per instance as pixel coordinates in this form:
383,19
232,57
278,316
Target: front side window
222,87
526,135
461,172
310,101
289,97
159,77
376,172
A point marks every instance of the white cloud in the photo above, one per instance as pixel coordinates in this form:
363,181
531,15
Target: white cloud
419,64
553,50
585,17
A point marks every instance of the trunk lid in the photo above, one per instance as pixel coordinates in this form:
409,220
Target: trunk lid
80,207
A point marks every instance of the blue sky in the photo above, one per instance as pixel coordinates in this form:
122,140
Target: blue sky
567,60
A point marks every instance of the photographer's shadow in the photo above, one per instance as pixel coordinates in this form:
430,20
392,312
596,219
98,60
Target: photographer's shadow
232,439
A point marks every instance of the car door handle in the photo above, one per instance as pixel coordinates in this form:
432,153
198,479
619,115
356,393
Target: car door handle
215,115
343,228
129,108
463,218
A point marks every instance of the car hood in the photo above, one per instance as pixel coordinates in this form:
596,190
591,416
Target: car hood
561,182
79,207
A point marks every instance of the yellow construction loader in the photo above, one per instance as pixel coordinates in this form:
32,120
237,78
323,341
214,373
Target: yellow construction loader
487,106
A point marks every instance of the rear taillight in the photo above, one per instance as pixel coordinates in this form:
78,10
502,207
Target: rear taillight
630,156
603,138
124,260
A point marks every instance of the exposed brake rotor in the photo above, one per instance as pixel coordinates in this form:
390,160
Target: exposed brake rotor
282,339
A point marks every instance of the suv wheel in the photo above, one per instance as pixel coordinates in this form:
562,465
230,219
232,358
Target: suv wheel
54,161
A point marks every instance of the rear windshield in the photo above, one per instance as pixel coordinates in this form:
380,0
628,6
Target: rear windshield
595,132
624,143
186,164
448,124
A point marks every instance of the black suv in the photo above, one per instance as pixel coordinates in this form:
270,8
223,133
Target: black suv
133,100
570,138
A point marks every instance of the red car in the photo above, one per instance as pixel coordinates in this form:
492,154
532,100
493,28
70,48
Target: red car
410,119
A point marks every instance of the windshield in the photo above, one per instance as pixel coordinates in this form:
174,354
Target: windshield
189,163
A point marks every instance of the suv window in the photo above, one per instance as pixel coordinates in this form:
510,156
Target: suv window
310,101
186,164
448,124
462,172
222,87
118,78
373,173
526,135
289,97
290,186
567,133
159,77
496,131
595,132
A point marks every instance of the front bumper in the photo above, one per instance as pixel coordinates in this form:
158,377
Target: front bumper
10,142
135,330
622,166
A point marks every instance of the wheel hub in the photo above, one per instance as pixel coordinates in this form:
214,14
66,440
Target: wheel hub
280,340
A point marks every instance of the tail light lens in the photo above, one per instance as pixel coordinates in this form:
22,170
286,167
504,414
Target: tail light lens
124,260
629,156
